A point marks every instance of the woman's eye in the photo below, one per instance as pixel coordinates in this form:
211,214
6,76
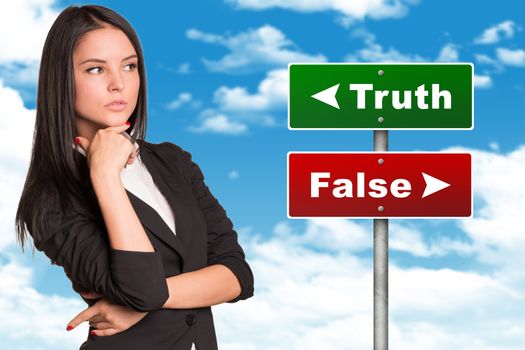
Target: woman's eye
90,70
131,66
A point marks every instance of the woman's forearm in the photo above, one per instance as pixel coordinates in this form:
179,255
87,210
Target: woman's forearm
125,231
214,284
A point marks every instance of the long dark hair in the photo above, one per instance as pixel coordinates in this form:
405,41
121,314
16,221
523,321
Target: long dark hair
57,172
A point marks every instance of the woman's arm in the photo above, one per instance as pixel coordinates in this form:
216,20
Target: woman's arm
208,286
125,231
79,243
115,259
226,257
214,284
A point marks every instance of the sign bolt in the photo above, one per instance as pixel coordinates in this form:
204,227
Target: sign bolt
381,119
380,72
380,161
380,208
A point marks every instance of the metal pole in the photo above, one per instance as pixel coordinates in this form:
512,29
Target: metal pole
380,263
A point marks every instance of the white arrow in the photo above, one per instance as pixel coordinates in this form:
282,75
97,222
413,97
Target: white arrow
433,185
328,96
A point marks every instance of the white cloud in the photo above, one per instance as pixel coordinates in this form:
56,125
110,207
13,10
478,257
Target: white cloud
255,49
32,320
374,52
307,297
237,106
231,123
272,93
20,73
511,57
23,29
336,235
494,146
494,34
448,53
182,99
349,11
219,124
331,234
496,230
16,128
482,81
410,239
484,59
233,175
183,68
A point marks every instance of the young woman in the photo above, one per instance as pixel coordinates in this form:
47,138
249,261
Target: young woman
132,223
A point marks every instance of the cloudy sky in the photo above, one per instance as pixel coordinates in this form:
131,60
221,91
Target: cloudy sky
217,83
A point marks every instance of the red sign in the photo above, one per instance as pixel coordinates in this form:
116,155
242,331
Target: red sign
380,185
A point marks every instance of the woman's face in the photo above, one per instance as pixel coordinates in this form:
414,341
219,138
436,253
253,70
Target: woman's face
106,80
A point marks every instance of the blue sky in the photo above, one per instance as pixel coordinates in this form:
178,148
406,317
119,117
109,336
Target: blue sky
217,86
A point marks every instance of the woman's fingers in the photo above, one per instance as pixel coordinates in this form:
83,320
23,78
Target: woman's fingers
100,325
133,154
83,316
91,295
132,157
103,332
120,129
82,142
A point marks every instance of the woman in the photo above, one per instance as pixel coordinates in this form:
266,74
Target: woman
132,223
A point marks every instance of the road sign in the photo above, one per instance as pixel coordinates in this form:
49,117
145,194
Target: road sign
381,96
379,185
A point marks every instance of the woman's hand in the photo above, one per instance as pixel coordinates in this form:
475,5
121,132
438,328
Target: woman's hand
109,150
107,318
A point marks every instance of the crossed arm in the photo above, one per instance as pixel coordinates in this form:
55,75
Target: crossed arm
129,272
211,285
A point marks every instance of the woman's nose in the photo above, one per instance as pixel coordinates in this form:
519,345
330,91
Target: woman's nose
116,83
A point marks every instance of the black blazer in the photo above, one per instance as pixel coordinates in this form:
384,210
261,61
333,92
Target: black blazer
78,241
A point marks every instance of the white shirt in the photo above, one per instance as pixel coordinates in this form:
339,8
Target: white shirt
137,179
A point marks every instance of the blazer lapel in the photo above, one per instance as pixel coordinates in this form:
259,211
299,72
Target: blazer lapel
149,216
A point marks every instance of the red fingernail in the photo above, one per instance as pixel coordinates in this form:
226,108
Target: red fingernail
93,333
127,123
69,328
77,140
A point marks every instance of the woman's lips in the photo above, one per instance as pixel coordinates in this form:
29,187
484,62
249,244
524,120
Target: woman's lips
116,106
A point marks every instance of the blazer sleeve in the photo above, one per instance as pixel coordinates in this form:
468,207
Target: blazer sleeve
81,246
223,246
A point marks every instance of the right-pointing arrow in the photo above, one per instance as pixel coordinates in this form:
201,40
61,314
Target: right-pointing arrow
328,96
433,185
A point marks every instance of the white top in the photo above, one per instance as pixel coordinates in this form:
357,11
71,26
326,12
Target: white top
137,179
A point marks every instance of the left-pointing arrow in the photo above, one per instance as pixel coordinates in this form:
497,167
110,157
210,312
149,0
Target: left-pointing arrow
328,96
433,185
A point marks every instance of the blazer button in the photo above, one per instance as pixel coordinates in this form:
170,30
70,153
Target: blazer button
191,319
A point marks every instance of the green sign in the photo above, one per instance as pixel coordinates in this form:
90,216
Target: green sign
381,96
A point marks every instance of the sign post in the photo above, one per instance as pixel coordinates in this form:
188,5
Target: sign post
381,264
382,184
